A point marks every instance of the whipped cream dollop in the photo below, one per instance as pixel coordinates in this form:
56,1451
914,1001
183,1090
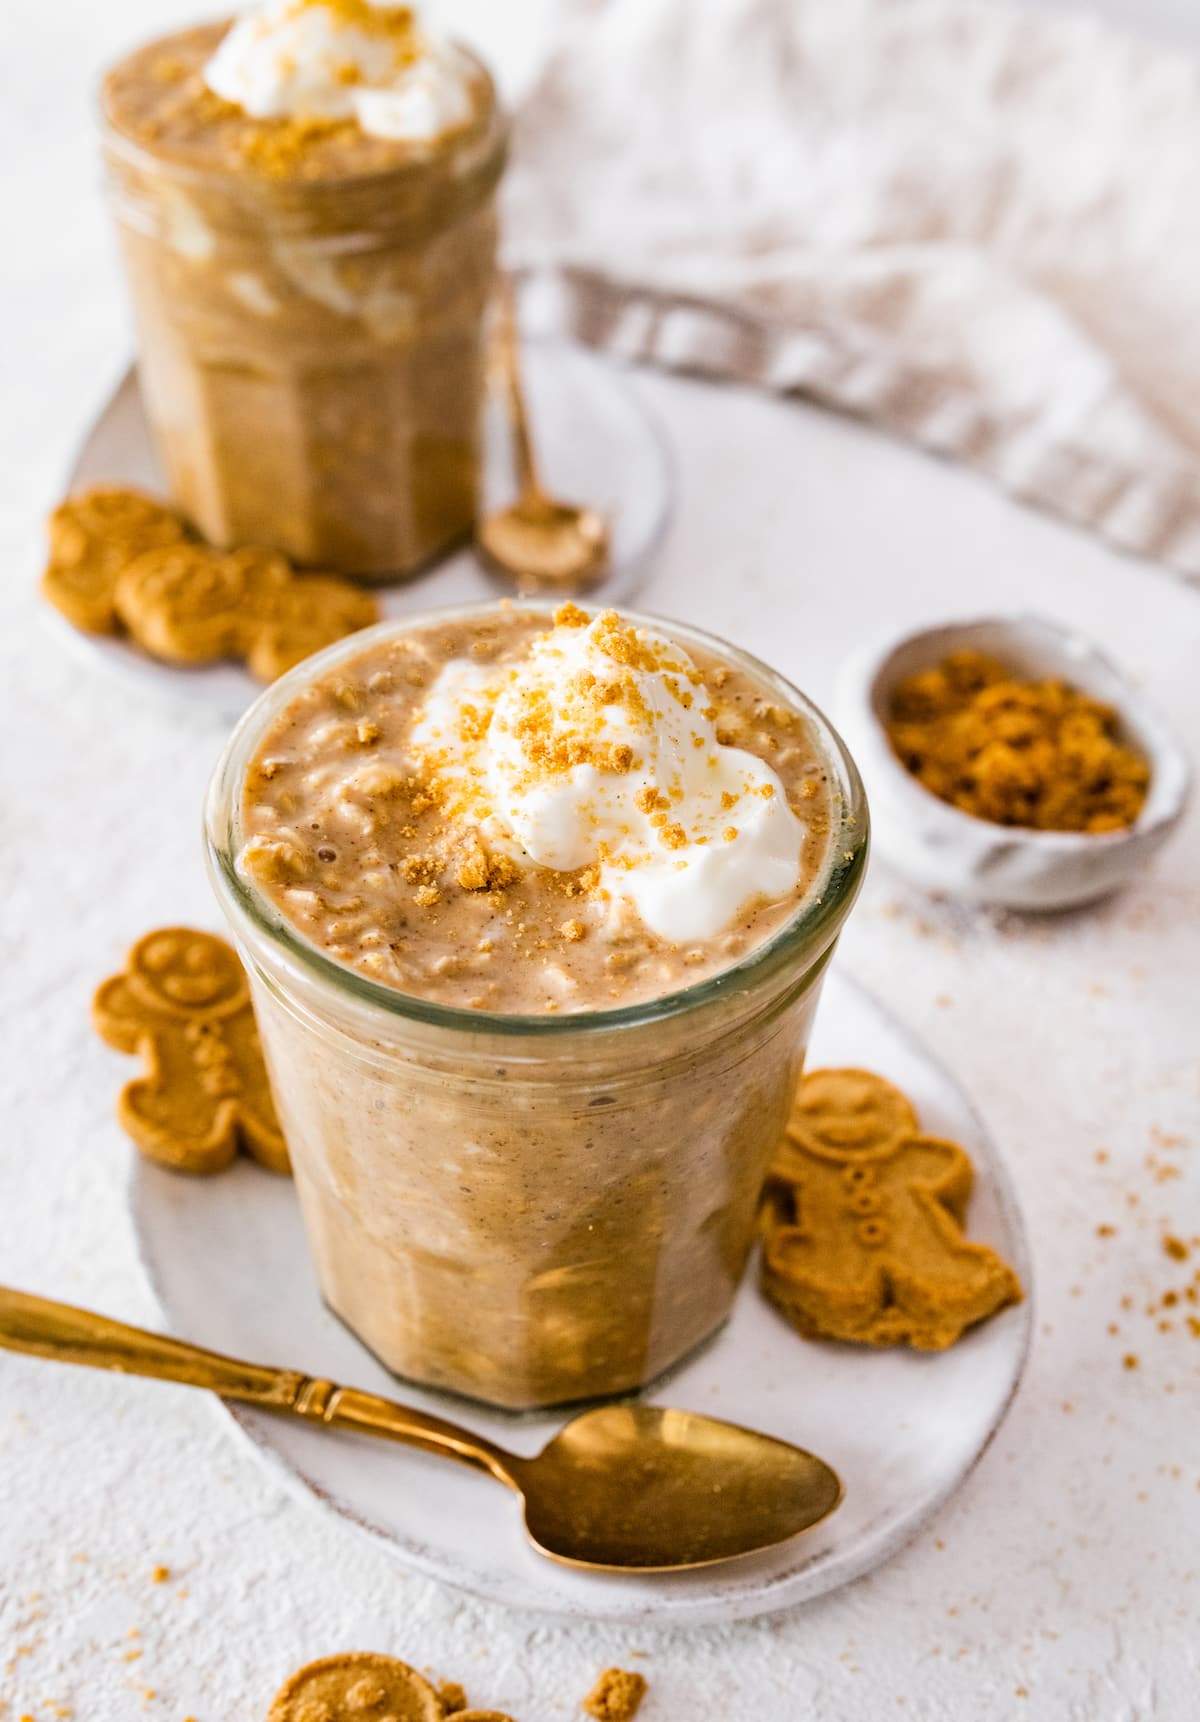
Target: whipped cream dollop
342,59
599,749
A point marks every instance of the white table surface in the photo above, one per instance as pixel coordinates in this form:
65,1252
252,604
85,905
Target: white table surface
1064,1581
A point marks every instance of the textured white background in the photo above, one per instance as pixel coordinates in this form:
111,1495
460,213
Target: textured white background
1064,1582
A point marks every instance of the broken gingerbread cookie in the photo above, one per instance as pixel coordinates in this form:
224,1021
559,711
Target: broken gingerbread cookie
364,1686
313,612
187,604
121,562
183,1005
863,1222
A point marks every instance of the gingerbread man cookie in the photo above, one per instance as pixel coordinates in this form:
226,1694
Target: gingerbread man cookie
313,612
357,1686
93,536
864,1223
180,603
119,560
188,604
182,1003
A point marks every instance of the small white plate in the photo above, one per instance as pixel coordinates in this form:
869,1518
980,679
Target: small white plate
228,1264
598,444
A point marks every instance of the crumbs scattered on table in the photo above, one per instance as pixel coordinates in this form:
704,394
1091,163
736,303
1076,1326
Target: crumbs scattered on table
616,1696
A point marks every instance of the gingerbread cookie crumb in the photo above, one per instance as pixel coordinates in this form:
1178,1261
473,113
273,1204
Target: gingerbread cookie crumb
616,1696
1039,754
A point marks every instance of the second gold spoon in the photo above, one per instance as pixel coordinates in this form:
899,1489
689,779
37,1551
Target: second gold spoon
541,542
626,1488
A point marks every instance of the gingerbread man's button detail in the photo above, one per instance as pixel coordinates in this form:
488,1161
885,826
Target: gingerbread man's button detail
865,1202
873,1233
182,1003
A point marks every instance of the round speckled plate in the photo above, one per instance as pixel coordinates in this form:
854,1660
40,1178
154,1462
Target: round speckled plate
228,1263
598,444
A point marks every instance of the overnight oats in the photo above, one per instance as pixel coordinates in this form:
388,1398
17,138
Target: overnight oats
536,908
305,201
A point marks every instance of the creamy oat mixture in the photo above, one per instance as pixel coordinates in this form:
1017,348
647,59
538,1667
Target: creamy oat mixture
514,816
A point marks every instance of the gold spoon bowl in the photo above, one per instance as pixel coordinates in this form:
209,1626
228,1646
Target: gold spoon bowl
544,545
624,1488
541,542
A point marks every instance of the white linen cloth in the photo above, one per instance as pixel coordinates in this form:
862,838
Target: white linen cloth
976,226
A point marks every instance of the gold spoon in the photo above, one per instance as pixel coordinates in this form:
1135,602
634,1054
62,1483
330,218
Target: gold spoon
627,1488
539,541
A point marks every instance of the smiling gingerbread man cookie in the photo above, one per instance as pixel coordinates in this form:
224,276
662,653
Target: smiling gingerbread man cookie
182,1003
863,1222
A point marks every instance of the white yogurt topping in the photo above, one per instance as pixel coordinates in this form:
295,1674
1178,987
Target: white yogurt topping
599,748
369,62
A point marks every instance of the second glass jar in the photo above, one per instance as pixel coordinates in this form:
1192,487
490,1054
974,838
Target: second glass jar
312,351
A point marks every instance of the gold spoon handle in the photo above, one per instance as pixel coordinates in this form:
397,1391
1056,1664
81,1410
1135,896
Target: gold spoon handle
509,347
42,1328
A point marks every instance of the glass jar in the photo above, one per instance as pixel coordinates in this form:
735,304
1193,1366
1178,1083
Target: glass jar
311,351
531,1209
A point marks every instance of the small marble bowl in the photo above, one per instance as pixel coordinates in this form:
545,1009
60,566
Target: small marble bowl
939,847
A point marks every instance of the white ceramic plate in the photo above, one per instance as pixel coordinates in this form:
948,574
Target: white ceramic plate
598,444
228,1263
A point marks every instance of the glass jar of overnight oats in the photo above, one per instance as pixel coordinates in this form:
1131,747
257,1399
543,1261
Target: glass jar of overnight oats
310,265
530,1102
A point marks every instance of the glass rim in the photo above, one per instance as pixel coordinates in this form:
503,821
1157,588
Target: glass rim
490,134
813,925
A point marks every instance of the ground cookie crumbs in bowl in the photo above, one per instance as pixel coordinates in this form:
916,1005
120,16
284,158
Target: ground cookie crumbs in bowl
1034,753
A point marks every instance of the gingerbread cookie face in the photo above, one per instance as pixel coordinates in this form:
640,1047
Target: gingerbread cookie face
186,973
93,536
316,610
356,1687
841,1111
182,1004
863,1223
